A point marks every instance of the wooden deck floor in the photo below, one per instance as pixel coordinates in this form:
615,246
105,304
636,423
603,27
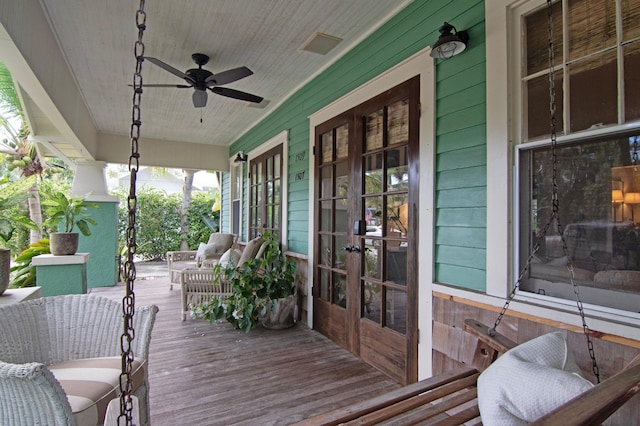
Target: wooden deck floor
211,374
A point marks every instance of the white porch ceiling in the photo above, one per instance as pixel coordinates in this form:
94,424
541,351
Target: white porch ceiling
96,39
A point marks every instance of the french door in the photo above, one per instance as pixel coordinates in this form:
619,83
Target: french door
366,192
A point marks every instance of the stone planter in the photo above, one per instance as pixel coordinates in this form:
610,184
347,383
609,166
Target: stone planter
63,243
5,268
279,313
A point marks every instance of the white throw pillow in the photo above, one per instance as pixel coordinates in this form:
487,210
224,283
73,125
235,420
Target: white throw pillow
529,381
230,258
200,252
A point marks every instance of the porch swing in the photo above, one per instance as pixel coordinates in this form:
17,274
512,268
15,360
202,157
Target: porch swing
452,398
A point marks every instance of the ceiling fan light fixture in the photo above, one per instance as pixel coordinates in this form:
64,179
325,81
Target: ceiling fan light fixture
320,43
448,44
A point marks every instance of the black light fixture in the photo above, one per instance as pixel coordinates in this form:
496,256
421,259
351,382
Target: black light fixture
241,157
449,45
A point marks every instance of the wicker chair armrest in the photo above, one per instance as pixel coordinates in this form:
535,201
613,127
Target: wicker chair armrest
30,394
179,256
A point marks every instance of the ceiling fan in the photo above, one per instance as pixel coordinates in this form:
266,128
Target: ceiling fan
201,80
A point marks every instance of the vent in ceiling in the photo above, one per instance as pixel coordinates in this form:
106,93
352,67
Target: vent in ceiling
320,43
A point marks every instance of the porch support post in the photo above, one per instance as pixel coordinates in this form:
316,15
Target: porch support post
102,271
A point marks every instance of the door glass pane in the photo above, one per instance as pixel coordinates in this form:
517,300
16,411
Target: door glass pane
276,191
373,173
325,215
373,215
342,179
339,294
397,215
374,131
277,165
396,318
326,182
397,169
398,124
340,252
593,104
324,284
371,301
396,256
269,162
326,142
372,259
276,216
341,223
324,250
342,142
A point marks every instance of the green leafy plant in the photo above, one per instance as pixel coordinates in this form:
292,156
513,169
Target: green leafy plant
69,211
254,285
12,194
23,272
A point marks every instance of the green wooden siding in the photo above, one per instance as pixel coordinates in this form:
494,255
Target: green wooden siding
460,130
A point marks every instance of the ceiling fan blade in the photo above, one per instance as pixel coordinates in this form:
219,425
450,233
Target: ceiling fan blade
199,98
229,76
169,68
179,86
236,94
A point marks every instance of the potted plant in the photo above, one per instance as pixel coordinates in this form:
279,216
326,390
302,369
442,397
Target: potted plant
263,291
70,213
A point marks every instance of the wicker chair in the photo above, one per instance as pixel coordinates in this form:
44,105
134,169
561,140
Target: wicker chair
215,247
47,343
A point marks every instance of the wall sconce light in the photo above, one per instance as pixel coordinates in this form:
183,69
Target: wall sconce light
241,157
449,45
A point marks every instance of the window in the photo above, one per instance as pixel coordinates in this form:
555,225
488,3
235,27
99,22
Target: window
597,49
265,188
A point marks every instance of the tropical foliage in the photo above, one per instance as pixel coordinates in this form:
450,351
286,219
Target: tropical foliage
23,273
158,221
71,212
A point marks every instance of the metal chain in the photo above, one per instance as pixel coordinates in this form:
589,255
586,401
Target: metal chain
554,211
634,154
128,302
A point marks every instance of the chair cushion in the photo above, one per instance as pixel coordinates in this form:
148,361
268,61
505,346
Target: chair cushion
230,258
91,383
250,250
529,381
224,241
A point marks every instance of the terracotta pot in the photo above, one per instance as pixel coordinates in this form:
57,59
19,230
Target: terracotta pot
279,313
63,243
5,268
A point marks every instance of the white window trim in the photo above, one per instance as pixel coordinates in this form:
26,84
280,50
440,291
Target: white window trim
236,169
281,138
503,124
423,65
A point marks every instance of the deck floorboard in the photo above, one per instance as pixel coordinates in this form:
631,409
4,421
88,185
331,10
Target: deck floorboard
211,374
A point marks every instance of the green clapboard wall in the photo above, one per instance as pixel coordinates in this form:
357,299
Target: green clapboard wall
460,131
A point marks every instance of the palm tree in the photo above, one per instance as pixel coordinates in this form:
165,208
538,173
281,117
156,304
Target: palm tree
20,152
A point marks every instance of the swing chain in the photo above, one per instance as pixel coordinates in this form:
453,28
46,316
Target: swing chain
555,208
634,153
128,302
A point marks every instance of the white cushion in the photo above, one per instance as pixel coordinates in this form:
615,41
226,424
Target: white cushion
200,252
529,381
230,258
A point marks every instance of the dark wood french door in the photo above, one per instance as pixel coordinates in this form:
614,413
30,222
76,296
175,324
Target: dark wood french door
366,192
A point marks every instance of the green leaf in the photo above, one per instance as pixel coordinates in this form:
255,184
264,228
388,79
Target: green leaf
6,229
